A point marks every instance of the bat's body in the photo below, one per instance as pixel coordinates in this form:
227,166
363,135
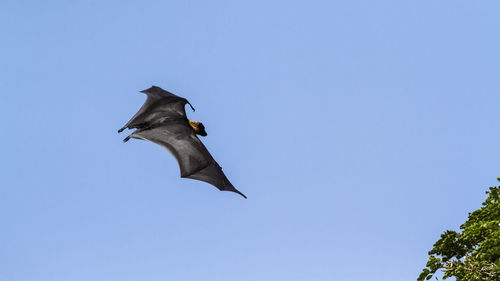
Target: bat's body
162,120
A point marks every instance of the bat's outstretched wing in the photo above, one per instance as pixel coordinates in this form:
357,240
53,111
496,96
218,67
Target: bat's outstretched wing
159,106
194,160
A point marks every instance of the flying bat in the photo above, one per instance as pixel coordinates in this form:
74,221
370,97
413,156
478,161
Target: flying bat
162,120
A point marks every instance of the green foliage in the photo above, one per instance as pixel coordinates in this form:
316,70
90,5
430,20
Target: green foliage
473,254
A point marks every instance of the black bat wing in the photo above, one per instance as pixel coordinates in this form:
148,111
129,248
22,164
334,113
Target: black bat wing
160,105
194,160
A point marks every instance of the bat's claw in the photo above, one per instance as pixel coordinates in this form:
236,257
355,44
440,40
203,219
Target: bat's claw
126,139
235,190
242,194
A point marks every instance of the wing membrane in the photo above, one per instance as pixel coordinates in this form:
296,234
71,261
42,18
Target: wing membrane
194,160
159,106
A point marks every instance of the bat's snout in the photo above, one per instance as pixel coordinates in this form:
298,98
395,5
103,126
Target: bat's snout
201,130
202,133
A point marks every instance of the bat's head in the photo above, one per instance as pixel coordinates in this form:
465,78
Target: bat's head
198,128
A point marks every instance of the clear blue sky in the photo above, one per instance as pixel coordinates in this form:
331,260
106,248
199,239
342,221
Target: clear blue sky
359,130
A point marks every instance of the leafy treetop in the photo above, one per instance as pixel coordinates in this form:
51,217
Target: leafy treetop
473,254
